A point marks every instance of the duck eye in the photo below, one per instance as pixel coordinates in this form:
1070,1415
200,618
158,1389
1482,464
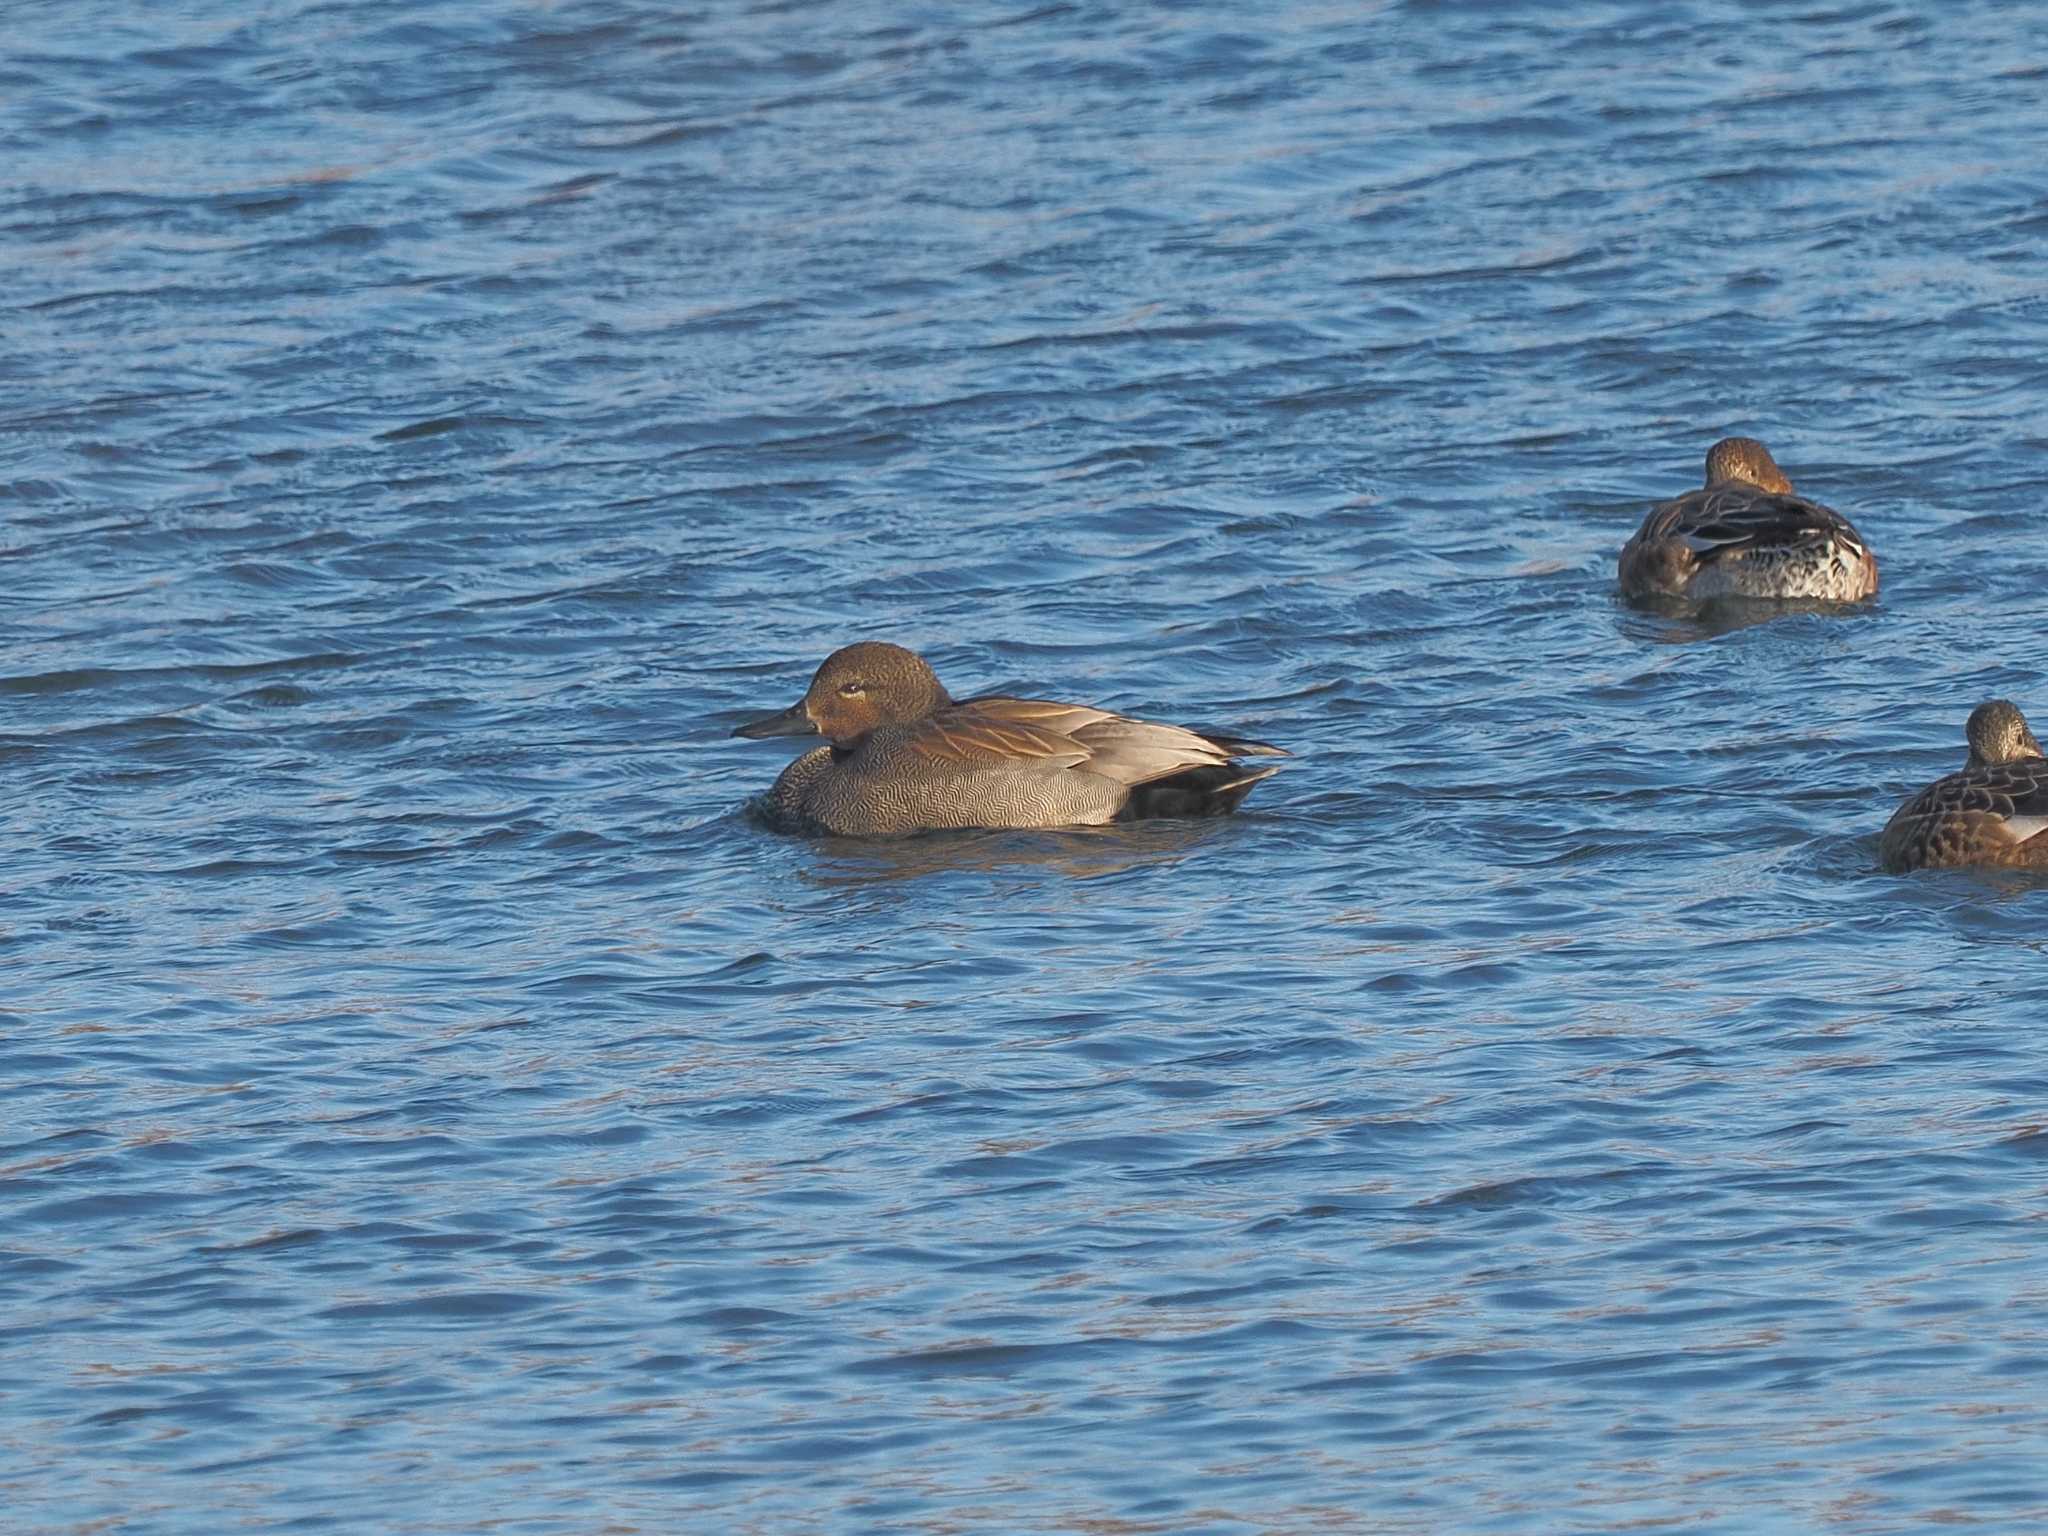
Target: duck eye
853,690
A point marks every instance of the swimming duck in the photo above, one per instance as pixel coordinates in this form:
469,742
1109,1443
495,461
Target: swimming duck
1994,812
903,756
1745,534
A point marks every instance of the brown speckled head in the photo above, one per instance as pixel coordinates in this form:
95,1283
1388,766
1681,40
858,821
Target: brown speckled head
1998,733
858,688
1747,460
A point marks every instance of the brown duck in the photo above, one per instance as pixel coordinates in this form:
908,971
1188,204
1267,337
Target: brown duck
1994,812
1745,534
904,756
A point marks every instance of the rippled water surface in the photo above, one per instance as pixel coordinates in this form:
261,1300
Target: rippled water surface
427,1101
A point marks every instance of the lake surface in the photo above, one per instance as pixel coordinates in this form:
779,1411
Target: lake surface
429,1103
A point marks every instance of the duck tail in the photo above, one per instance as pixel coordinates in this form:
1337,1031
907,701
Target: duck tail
1214,790
1244,746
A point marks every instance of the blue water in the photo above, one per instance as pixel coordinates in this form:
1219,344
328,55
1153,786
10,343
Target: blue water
428,1103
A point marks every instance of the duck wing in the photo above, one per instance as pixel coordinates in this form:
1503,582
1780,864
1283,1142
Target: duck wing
1998,808
2016,792
997,731
1731,519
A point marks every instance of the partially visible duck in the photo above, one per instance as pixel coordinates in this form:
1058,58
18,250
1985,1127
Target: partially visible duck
905,757
1745,534
1994,812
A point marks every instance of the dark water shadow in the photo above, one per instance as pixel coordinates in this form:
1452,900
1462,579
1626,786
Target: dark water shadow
1078,853
1686,621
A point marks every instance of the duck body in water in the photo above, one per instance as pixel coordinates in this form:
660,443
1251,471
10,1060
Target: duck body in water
1995,811
904,756
1745,534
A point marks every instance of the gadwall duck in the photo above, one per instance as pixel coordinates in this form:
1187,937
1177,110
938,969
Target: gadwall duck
905,757
1994,812
1744,534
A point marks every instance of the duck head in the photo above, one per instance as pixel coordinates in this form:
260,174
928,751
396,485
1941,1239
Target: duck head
1747,460
1998,733
858,688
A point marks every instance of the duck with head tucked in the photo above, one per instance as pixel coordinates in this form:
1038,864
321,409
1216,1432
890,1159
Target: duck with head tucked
903,756
1993,812
1745,534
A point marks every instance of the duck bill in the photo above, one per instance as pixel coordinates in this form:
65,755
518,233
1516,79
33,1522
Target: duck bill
784,722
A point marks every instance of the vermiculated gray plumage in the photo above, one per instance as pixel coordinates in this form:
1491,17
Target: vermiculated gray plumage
905,757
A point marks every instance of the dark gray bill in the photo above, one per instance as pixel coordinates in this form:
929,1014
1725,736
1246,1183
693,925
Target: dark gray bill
784,722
